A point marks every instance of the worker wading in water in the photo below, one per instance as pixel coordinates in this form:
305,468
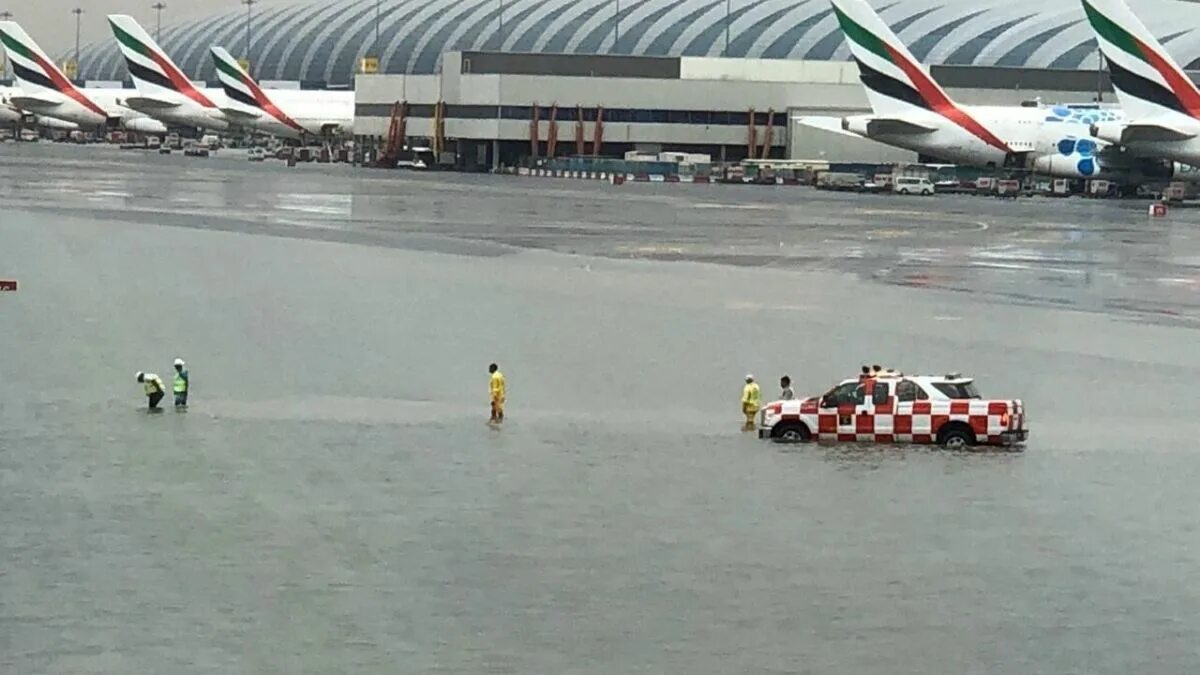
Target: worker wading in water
153,387
786,392
751,397
181,384
497,390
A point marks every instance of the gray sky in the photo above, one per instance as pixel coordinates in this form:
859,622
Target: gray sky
51,23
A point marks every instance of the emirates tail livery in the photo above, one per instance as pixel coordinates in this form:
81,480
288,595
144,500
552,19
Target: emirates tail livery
43,90
282,112
911,111
1162,103
163,92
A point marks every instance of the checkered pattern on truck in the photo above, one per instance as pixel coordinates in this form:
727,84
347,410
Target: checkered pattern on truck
896,422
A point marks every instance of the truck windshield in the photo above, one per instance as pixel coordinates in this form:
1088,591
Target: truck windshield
957,390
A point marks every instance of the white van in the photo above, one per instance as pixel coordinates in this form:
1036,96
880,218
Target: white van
910,185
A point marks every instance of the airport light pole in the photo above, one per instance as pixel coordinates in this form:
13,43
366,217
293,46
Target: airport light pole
500,47
249,9
496,142
726,52
78,12
617,25
158,7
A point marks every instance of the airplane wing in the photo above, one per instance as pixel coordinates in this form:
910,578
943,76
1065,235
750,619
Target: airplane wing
830,124
149,105
1153,131
238,115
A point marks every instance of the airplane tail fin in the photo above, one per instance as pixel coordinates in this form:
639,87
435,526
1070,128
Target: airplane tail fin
237,83
34,71
153,72
1148,81
895,81
241,88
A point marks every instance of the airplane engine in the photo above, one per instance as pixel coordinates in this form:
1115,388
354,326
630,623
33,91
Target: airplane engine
1064,167
1108,131
1076,158
51,123
1166,170
145,125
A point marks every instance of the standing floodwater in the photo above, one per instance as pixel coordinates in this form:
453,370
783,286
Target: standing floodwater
334,502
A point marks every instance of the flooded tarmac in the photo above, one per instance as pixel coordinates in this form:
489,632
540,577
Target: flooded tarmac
333,501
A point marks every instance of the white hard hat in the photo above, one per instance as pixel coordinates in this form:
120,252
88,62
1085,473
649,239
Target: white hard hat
749,377
179,362
139,375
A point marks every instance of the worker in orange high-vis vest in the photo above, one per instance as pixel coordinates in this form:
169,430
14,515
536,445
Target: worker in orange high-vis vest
498,393
751,398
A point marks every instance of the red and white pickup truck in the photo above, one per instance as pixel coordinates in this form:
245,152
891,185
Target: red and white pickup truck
946,410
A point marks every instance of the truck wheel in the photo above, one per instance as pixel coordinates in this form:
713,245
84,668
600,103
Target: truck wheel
904,191
925,193
791,432
956,437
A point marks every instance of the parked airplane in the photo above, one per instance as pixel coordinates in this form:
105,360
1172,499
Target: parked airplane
43,90
8,113
911,111
291,113
163,92
1162,102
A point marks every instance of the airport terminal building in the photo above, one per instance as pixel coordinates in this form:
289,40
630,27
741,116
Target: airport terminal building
716,76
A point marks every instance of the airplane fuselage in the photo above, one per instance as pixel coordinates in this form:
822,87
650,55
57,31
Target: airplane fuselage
1053,140
59,106
174,109
64,108
316,113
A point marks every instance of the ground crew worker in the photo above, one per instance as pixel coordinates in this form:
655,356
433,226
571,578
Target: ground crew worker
751,396
181,384
498,392
153,386
785,383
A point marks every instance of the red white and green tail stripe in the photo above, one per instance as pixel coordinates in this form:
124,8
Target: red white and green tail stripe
149,66
35,71
242,88
895,81
1144,75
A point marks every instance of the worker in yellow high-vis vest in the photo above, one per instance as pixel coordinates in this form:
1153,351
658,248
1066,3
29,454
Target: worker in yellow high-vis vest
153,387
181,384
751,398
498,392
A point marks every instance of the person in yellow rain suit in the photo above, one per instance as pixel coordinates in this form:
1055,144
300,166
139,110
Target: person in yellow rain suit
498,393
751,397
153,387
